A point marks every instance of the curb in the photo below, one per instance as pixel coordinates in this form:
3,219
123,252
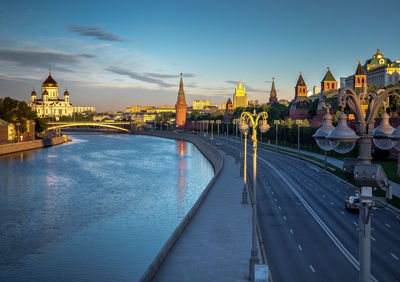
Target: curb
217,165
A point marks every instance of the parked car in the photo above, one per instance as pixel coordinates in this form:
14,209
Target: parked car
353,203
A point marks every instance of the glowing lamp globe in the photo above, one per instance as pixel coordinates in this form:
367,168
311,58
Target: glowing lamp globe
264,127
342,138
244,127
323,131
382,132
395,138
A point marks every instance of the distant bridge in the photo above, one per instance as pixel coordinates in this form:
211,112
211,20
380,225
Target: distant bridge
114,125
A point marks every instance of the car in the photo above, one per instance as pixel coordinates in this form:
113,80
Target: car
353,203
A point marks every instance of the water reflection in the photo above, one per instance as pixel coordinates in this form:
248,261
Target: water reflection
101,205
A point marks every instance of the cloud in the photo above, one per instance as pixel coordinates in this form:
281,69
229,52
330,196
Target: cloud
42,59
96,33
139,76
160,75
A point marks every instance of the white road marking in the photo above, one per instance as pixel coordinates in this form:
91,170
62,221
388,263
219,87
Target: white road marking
388,225
332,203
373,239
398,216
284,217
326,229
272,192
323,196
275,200
298,246
342,212
291,230
394,256
279,208
312,268
355,223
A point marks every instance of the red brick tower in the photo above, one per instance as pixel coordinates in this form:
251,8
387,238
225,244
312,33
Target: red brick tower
272,95
301,90
359,78
181,106
329,82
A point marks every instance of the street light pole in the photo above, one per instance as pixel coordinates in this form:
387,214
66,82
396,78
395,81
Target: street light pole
342,139
247,119
212,129
244,193
298,122
276,122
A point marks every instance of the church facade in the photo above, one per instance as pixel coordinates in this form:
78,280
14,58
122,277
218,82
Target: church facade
51,105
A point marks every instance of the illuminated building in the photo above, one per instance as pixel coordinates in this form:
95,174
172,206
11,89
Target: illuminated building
200,104
240,97
181,106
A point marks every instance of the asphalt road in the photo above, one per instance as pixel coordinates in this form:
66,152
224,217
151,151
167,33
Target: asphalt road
307,232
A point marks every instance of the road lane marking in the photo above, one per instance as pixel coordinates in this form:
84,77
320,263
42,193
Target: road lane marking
394,256
326,229
272,192
284,217
373,239
291,230
275,200
300,248
323,196
312,268
388,225
332,203
355,223
342,212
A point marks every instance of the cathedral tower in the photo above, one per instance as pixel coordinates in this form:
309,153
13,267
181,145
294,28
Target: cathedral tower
300,90
181,106
359,78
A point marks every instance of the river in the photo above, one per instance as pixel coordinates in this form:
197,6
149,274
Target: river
97,209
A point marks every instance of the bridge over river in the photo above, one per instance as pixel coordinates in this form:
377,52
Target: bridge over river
125,126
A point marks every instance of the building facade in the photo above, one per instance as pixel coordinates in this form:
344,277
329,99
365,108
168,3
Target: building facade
379,70
240,96
181,106
301,104
201,104
51,105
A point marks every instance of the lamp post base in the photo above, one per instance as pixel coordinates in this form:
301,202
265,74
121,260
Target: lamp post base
253,261
244,194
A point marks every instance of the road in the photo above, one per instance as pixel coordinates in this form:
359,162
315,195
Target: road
307,232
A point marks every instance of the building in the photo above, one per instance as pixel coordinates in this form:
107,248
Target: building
328,83
79,110
272,94
133,109
181,106
4,131
301,104
228,105
379,70
240,96
253,103
201,104
50,105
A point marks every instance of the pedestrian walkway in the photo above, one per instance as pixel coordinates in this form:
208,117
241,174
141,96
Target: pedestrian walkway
338,163
216,244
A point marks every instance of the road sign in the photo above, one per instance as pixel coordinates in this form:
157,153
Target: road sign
261,272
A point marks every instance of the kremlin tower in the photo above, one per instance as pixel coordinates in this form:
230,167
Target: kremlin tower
272,95
181,106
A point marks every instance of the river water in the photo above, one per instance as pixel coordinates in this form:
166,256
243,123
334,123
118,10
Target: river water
97,209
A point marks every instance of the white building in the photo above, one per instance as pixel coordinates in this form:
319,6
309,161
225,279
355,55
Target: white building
201,104
50,105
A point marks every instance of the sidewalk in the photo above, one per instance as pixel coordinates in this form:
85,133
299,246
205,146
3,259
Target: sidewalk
338,163
216,244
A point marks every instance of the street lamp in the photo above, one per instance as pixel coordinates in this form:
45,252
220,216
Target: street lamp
252,120
218,123
212,129
276,122
299,123
342,139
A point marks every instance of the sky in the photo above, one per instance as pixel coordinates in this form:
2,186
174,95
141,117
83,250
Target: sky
115,54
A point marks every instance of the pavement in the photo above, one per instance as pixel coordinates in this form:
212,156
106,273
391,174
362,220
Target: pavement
338,163
216,244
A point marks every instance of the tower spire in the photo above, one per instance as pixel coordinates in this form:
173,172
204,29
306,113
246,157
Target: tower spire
50,71
181,83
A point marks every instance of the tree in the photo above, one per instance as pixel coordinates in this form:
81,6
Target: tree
16,112
195,115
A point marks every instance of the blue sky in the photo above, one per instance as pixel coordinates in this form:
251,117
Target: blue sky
113,54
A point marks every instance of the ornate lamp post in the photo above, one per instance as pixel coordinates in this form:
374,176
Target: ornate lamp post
342,139
252,120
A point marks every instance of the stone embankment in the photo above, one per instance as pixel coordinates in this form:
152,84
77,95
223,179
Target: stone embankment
216,159
29,145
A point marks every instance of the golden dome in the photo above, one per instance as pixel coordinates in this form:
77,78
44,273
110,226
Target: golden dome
378,54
